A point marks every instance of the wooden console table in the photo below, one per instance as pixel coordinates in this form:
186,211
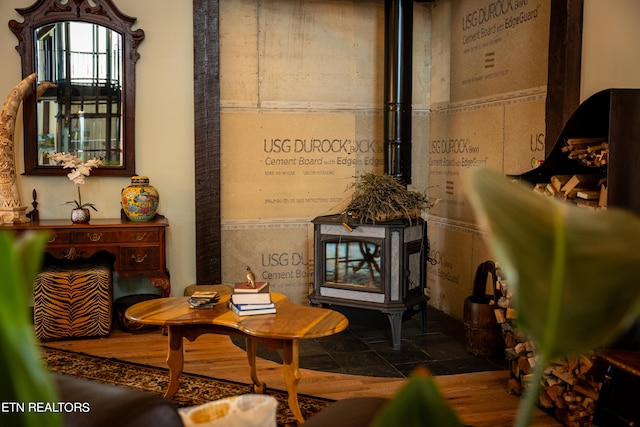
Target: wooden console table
139,248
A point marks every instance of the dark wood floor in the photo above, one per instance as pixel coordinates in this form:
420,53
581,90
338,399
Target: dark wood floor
481,398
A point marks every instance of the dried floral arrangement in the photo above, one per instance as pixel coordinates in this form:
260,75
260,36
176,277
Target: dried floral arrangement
383,198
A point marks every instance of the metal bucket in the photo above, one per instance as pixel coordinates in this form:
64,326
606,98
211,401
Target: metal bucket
483,335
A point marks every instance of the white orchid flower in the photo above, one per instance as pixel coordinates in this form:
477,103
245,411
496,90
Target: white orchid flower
76,176
79,170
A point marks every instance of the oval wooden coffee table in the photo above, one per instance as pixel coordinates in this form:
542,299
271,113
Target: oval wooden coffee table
282,330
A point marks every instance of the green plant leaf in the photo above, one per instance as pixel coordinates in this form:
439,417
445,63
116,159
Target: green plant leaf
25,381
418,403
575,272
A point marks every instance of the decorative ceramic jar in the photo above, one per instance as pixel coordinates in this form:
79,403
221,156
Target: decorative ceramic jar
140,199
80,216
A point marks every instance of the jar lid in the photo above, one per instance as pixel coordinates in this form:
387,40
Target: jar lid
139,179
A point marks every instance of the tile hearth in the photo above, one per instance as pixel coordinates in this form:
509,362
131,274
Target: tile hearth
364,348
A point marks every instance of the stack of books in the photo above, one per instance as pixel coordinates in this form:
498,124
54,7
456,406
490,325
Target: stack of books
203,300
249,301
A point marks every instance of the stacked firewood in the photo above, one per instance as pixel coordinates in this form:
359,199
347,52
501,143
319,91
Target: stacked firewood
570,386
590,151
585,190
519,350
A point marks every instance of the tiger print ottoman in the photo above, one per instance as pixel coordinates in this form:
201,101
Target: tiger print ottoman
73,301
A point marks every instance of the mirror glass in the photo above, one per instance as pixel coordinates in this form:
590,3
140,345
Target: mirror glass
80,111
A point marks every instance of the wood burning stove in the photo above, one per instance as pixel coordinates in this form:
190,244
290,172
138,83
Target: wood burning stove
379,266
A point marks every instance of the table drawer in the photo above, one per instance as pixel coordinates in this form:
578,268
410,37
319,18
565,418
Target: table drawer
140,235
140,258
58,237
95,236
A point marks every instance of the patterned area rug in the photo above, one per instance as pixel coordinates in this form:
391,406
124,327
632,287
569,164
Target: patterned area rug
194,389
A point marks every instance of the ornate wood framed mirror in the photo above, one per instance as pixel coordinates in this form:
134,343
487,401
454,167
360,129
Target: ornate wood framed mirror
86,51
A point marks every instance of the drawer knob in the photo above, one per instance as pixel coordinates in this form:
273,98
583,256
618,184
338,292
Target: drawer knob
94,237
141,236
52,239
139,258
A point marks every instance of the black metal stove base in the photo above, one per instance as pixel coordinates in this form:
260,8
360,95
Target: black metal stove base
395,315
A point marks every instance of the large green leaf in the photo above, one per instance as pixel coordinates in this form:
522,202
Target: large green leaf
418,403
576,272
24,379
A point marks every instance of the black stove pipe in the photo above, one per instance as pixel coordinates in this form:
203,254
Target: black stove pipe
398,51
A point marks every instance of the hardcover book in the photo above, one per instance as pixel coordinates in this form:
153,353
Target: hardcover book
255,306
254,312
246,287
262,297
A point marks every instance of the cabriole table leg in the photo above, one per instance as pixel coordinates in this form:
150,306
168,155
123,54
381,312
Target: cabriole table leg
291,358
252,349
175,360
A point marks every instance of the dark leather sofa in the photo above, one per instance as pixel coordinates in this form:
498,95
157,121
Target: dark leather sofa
111,405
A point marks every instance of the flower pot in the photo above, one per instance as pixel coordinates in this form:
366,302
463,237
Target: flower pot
80,216
140,199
